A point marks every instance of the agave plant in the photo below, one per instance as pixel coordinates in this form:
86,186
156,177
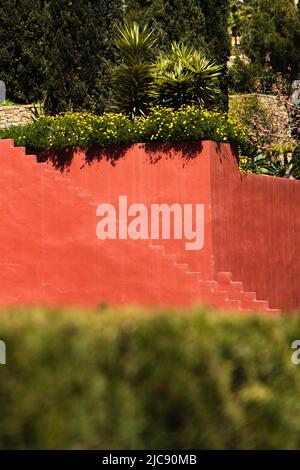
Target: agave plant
134,78
186,76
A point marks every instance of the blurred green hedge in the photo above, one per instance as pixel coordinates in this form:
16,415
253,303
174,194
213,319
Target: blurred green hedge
140,379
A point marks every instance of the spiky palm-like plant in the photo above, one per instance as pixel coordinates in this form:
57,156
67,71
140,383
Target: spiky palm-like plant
134,78
186,76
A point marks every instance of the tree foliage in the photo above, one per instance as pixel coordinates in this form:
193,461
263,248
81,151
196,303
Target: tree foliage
272,35
58,51
172,20
22,44
61,52
79,54
201,24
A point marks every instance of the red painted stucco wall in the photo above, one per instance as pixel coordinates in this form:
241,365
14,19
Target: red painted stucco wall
256,231
50,253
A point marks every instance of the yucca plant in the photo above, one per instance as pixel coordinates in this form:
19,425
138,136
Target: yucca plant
186,76
134,77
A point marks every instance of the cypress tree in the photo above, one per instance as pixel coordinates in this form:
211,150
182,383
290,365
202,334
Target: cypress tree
80,52
58,50
22,49
172,20
216,13
202,24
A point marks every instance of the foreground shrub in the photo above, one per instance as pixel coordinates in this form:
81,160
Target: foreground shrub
135,379
162,125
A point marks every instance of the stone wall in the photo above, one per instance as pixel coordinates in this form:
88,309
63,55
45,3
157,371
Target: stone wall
15,115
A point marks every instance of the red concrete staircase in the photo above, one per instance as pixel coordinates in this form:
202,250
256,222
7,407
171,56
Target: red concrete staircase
221,293
50,253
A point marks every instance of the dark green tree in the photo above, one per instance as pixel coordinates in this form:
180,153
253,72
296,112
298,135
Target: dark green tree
59,51
216,13
172,20
272,36
22,49
198,23
80,52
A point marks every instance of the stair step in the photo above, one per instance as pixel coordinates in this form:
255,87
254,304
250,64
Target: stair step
224,277
256,305
212,297
18,151
222,304
274,311
234,289
31,158
235,304
6,144
182,267
246,296
171,258
207,284
220,294
159,248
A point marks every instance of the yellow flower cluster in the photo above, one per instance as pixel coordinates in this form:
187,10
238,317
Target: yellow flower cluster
162,124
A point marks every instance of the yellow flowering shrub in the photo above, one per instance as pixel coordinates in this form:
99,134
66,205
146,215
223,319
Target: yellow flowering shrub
74,129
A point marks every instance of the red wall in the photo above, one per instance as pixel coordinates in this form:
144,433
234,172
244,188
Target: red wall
256,231
50,253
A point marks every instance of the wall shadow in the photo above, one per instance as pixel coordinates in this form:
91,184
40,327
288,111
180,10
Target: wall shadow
61,158
187,150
